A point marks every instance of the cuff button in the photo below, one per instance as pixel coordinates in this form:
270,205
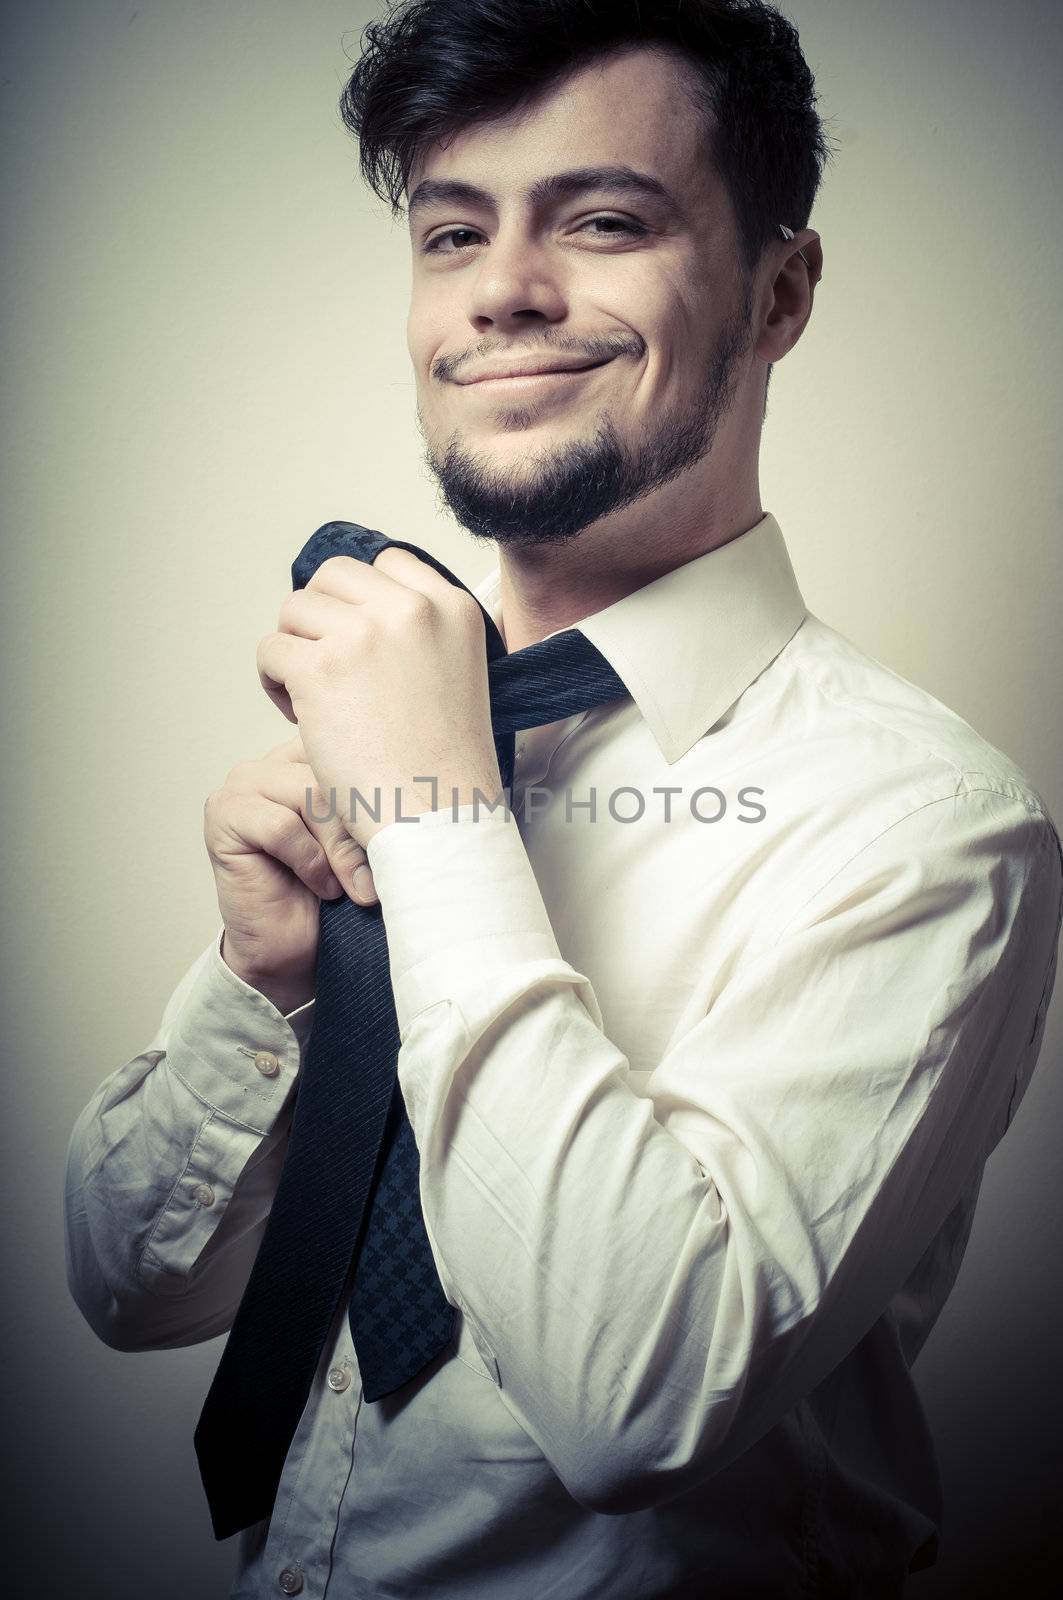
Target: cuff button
267,1063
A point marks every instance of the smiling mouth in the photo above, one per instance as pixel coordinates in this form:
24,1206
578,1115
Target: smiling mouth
533,379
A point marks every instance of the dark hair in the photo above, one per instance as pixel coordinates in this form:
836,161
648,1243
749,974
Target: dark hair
432,67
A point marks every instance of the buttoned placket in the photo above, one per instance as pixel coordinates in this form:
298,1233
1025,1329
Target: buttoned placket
298,1554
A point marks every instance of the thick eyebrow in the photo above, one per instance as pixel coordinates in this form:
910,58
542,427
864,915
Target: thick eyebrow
560,186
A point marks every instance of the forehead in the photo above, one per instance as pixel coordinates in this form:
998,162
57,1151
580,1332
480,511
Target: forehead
631,108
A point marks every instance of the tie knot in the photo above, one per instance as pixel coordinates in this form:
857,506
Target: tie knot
557,677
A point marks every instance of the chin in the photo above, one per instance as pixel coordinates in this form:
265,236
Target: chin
510,437
514,447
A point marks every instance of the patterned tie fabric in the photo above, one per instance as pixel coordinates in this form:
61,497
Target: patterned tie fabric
349,1190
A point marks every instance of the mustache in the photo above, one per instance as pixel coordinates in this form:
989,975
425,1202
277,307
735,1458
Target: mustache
444,368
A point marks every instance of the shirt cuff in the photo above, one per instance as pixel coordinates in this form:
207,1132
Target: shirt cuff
301,1020
462,911
233,1048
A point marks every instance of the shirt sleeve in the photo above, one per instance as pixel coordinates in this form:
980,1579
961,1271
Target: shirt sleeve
172,1165
655,1279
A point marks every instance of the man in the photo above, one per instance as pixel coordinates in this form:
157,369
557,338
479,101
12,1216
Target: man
705,1043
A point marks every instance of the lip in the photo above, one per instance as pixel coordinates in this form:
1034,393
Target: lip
530,373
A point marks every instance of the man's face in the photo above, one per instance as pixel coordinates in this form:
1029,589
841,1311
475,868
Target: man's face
640,285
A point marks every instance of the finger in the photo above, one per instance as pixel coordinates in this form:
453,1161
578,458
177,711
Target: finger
402,566
295,786
343,577
359,581
278,657
311,614
287,750
258,822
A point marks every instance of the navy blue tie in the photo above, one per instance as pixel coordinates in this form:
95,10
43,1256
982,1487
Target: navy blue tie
349,1188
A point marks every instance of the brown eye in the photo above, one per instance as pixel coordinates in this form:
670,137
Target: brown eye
618,227
449,233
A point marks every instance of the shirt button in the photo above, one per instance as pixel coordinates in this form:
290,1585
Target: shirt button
204,1194
269,1066
338,1379
291,1582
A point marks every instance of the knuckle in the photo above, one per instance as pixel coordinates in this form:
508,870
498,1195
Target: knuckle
347,852
330,567
317,807
288,753
275,831
331,658
317,862
467,607
415,607
289,609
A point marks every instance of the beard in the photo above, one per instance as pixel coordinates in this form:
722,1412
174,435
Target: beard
577,484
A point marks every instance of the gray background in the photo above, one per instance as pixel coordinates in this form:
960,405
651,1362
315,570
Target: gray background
203,359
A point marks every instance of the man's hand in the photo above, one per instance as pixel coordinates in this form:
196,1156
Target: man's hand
384,669
275,859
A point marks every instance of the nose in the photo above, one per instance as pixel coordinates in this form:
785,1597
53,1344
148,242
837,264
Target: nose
516,284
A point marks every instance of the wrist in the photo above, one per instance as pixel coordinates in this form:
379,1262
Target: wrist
285,990
413,802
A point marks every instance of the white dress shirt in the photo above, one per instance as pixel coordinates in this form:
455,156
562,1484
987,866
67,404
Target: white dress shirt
702,1085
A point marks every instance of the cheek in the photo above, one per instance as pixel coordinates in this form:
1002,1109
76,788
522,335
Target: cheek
672,365
679,322
665,309
425,340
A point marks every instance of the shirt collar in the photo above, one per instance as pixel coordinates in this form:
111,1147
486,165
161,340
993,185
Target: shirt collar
690,642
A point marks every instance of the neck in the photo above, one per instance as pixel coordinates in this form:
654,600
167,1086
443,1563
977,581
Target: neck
546,587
